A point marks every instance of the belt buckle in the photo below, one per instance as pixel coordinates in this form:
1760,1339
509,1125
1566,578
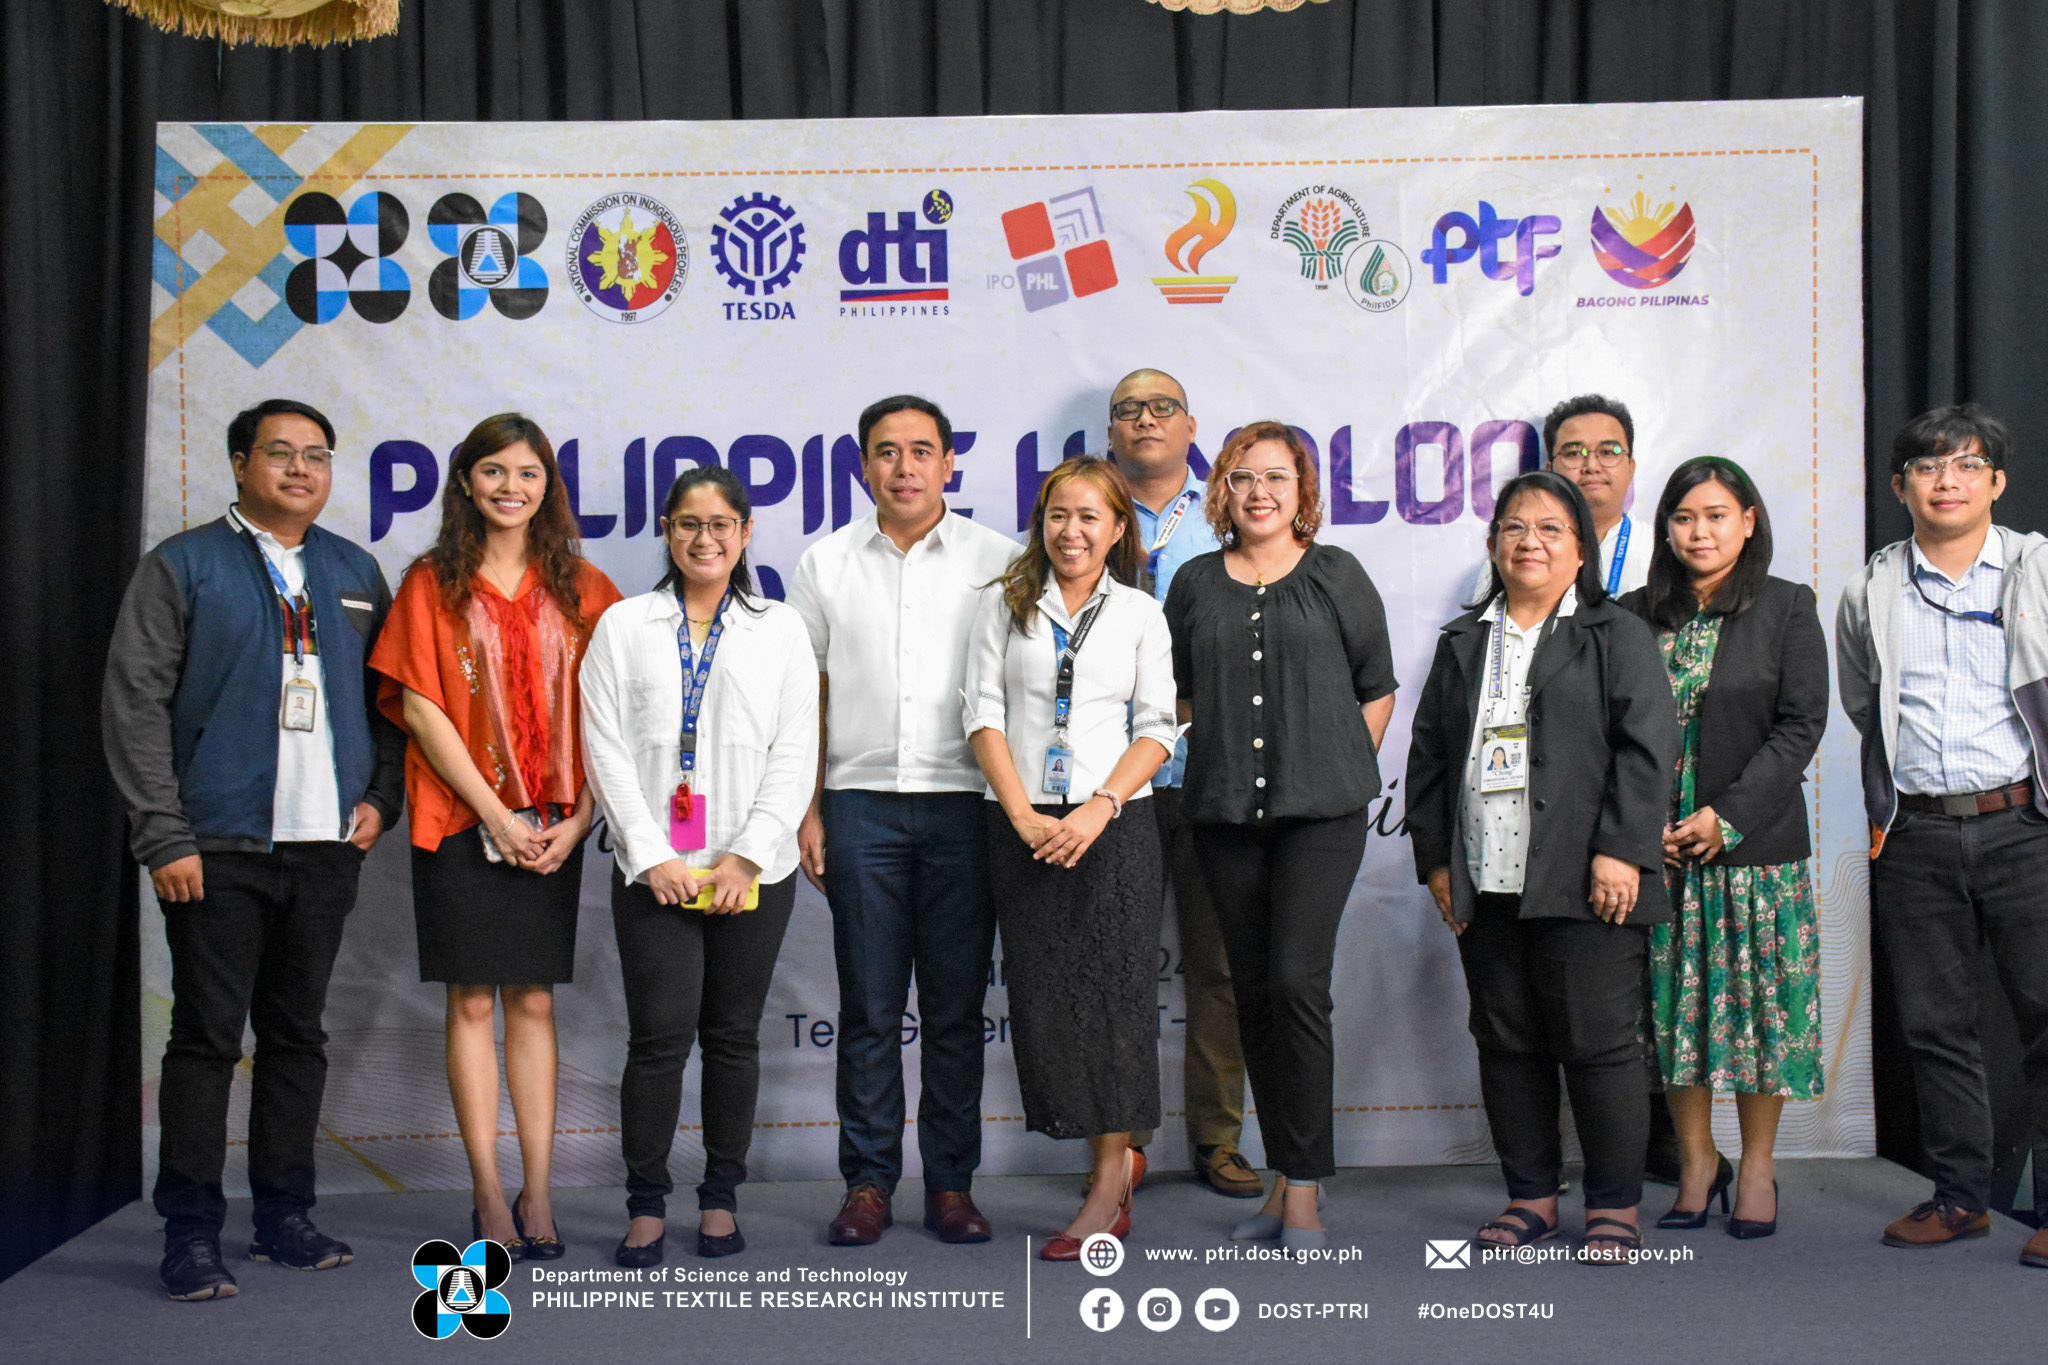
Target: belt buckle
1960,806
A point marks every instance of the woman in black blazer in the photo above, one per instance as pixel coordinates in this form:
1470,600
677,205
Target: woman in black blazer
1545,863
1735,979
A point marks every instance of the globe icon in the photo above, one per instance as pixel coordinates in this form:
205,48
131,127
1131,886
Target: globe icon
1103,1256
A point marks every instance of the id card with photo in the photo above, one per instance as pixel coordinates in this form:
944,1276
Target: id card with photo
1503,759
301,700
1059,771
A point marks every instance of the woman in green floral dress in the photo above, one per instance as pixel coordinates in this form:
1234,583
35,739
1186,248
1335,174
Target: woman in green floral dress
1735,980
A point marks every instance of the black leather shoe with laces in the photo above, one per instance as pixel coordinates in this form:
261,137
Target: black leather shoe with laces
293,1241
192,1270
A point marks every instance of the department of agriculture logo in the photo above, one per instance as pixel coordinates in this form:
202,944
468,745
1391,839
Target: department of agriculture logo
628,257
1377,275
459,1289
1643,247
757,244
1321,223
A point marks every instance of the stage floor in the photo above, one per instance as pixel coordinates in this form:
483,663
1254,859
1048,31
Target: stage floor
1823,1289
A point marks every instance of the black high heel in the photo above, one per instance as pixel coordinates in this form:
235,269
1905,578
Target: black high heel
1749,1229
515,1248
1724,1176
537,1248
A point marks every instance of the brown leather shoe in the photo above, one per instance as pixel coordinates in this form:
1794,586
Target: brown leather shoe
952,1216
862,1218
2035,1252
1933,1224
1224,1169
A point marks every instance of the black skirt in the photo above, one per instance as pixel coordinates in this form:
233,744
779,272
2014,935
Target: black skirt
1081,956
492,924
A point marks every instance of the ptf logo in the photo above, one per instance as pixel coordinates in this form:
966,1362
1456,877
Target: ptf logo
1483,238
919,254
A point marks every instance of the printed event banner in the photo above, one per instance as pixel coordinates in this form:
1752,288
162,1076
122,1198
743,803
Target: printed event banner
1411,289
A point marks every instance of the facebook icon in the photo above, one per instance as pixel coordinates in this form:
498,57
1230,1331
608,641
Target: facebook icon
1102,1309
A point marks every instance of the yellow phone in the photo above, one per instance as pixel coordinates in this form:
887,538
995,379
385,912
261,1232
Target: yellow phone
701,876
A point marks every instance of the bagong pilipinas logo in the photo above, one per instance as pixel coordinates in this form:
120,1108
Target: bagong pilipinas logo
1377,275
1321,222
1070,224
348,257
488,256
1643,247
459,1289
1215,215
757,244
628,257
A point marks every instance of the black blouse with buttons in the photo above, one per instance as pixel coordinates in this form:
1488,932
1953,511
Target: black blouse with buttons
1275,676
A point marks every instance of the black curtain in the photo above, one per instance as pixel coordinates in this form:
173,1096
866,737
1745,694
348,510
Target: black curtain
1954,146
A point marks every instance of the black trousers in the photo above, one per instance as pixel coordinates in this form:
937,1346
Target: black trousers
1941,888
1279,893
1551,993
257,950
691,974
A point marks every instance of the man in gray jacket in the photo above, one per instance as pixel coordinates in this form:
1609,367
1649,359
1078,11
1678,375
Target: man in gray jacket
1943,658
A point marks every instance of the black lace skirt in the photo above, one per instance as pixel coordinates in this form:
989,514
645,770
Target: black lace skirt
1080,951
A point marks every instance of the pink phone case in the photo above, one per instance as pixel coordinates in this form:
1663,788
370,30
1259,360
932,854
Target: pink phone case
686,835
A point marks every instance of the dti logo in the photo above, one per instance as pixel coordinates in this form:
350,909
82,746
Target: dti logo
920,255
1215,215
1483,238
1643,247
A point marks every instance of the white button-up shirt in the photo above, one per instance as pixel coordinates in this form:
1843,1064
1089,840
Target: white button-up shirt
1958,729
757,733
1123,684
889,628
1496,824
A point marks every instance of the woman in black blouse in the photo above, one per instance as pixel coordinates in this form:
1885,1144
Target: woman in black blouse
1281,658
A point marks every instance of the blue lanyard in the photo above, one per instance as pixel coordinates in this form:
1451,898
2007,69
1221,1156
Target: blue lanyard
298,621
1167,526
1063,681
1620,555
696,679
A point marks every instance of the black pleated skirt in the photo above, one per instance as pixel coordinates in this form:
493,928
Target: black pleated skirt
482,923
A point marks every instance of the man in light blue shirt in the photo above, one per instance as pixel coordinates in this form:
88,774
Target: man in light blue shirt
1150,429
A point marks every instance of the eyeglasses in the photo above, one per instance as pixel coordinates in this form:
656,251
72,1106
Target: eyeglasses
721,528
1242,481
1575,455
1928,468
1130,409
280,456
1549,532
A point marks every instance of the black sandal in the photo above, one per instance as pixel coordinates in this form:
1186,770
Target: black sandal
1628,1240
1527,1229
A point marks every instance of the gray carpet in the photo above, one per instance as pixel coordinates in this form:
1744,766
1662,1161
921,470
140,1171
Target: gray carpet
1823,1289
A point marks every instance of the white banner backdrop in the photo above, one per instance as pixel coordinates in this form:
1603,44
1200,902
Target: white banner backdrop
1412,289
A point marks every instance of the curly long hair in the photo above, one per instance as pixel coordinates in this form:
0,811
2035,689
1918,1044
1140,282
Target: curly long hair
1025,579
551,545
1308,512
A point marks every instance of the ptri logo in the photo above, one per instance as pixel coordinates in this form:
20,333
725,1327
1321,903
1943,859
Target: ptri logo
1483,238
919,254
459,1289
1067,224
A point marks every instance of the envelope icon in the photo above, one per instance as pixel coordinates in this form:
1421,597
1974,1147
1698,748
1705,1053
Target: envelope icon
1455,1255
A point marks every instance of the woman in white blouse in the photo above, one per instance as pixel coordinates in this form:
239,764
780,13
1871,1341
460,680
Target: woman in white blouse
700,717
1070,701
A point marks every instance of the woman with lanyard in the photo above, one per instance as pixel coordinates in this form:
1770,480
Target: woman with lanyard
700,716
479,657
1546,864
1070,711
1282,661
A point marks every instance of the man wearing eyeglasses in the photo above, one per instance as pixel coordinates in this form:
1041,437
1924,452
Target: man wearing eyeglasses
253,789
1150,430
1944,669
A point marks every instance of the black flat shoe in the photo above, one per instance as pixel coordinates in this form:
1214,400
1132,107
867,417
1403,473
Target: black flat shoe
515,1247
537,1248
1749,1229
731,1244
1724,1176
640,1257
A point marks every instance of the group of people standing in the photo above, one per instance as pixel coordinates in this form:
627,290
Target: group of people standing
945,735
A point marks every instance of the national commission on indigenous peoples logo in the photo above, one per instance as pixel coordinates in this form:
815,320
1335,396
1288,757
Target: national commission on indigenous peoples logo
459,1289
1640,246
628,257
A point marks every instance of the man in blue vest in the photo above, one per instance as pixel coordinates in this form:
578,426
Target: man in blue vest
254,788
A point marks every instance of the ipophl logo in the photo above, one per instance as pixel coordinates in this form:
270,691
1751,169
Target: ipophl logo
348,257
1061,244
919,254
1643,247
758,245
459,1289
1215,215
1483,237
628,257
1377,275
1321,223
489,256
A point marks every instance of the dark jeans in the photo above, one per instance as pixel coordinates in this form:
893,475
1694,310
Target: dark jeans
1279,893
258,949
688,973
907,876
1212,1065
1942,887
1551,993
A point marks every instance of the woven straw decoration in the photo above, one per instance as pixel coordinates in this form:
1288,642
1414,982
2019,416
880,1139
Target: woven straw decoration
1236,6
271,23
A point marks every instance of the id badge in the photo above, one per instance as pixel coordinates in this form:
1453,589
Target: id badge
1059,771
686,821
1503,759
301,699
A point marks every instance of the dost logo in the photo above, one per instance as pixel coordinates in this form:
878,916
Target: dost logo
1069,226
459,1289
758,245
488,256
1640,246
1482,237
919,254
1215,215
628,257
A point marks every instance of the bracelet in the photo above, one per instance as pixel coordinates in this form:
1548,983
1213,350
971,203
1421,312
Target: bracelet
513,820
1116,802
